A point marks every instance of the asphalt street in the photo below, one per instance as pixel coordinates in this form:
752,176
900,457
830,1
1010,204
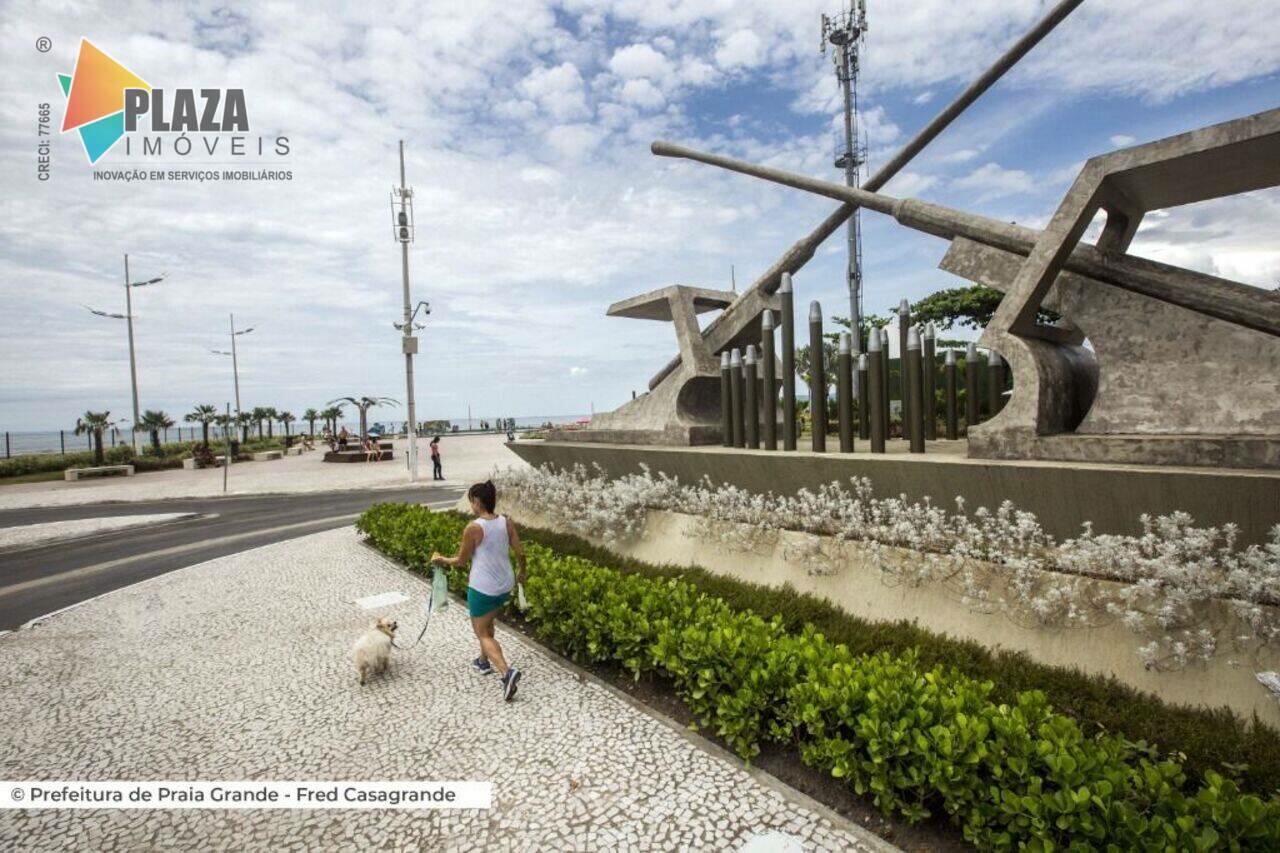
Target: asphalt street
38,580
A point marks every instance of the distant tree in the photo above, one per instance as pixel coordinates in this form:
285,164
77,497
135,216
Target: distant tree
332,415
364,404
153,421
204,415
272,417
311,416
94,423
286,418
245,420
258,415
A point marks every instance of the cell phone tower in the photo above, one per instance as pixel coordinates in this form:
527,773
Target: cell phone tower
846,33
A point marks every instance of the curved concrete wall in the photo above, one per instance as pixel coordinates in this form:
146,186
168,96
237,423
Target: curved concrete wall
859,587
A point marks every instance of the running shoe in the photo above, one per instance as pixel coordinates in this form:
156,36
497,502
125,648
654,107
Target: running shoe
482,666
509,683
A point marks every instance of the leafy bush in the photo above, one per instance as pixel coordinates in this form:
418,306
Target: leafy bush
916,738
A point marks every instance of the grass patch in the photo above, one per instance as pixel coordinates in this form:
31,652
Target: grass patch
38,477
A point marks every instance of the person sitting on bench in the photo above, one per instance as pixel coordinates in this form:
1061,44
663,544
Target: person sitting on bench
372,452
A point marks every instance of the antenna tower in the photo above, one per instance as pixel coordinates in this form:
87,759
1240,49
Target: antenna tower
845,32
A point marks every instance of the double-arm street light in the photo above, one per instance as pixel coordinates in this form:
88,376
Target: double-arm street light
128,316
235,361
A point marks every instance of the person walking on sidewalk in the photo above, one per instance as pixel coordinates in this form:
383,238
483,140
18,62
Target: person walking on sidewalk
437,470
487,544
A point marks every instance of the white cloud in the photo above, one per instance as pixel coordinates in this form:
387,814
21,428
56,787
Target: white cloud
742,49
1122,140
574,141
559,90
994,181
639,60
922,98
642,93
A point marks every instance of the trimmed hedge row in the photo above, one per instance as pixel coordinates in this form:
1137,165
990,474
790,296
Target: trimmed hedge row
916,738
170,456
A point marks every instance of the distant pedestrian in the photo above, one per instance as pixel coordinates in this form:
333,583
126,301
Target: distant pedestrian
372,452
437,470
343,438
487,544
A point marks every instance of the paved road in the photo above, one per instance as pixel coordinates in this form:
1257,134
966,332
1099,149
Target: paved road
39,580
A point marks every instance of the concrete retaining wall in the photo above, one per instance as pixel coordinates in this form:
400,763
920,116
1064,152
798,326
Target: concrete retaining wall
1063,495
859,587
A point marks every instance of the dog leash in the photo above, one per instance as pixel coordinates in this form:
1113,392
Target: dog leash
437,572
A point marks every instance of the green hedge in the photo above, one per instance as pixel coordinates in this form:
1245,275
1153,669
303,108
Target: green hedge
916,738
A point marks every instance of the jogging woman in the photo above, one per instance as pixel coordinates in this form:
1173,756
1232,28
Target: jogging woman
486,544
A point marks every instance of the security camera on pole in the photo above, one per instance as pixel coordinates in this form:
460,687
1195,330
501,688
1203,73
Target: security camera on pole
402,228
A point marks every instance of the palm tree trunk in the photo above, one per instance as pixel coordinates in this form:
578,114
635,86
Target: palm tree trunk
364,420
97,447
271,429
204,426
155,440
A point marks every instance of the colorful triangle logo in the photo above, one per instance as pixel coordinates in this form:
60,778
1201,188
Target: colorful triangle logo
95,99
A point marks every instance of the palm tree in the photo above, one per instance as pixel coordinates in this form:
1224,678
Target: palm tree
286,418
94,423
258,415
244,419
364,404
272,417
331,415
153,421
311,416
223,421
204,415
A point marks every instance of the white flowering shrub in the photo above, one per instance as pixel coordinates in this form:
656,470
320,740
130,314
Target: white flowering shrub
1176,585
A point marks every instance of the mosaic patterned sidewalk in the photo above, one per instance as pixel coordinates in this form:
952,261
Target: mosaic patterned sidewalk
239,668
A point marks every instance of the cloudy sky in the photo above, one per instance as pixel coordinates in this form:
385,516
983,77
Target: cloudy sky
527,126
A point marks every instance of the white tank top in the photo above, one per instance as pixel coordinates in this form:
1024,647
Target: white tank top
491,566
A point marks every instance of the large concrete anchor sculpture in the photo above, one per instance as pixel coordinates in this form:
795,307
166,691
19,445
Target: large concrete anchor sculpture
1181,367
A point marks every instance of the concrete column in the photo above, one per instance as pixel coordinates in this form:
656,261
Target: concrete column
914,398
884,378
953,414
864,399
817,379
751,400
844,393
929,363
875,390
769,370
726,401
972,394
787,299
735,368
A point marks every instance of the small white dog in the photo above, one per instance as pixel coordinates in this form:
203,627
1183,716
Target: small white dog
372,652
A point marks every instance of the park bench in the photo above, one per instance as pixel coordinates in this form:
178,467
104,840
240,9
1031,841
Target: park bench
267,455
355,454
189,463
74,474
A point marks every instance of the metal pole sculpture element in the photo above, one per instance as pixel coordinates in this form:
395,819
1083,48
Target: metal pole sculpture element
972,396
817,380
875,390
904,323
788,363
929,363
770,384
736,389
844,393
953,428
995,382
884,379
751,400
914,406
864,400
726,401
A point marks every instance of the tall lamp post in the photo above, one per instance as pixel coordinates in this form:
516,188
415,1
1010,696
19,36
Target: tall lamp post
128,316
402,217
235,362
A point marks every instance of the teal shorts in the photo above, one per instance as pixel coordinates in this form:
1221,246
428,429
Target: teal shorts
479,604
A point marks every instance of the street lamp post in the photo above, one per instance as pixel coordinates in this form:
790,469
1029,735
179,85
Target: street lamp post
235,361
128,317
403,230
